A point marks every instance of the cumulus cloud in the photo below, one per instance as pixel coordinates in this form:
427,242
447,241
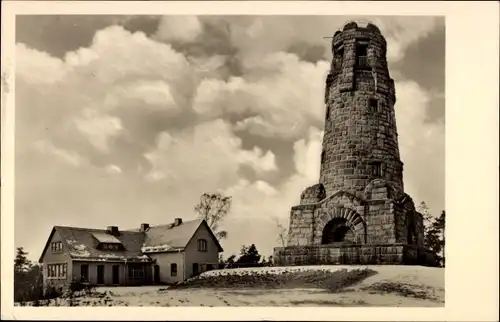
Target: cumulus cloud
179,28
98,128
279,94
205,158
101,94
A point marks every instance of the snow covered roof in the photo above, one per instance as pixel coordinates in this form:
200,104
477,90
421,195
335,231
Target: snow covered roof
173,238
170,237
81,243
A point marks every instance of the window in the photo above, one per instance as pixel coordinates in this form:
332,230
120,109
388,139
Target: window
136,271
57,271
202,245
361,49
362,56
323,157
84,273
327,111
56,247
373,105
173,269
339,56
108,246
378,169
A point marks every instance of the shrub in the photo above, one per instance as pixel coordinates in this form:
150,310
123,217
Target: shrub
51,292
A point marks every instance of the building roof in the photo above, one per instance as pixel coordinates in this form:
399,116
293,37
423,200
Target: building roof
173,238
82,243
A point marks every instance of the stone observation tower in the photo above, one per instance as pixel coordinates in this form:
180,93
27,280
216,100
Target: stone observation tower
358,213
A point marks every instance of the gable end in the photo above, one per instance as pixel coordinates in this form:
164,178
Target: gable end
204,223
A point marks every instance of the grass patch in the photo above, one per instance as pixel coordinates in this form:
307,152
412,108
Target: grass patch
401,289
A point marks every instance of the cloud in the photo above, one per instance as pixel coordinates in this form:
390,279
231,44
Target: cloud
69,157
280,94
179,28
113,169
101,99
49,70
257,36
98,128
204,158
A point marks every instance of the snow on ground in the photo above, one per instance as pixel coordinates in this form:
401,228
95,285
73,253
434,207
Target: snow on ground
409,286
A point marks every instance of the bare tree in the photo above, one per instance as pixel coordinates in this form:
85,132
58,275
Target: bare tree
284,233
213,207
426,214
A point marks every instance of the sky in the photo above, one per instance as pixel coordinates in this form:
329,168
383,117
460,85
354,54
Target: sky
123,120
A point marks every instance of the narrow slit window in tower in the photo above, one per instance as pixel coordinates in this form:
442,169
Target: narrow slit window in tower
322,157
373,105
338,57
377,169
327,111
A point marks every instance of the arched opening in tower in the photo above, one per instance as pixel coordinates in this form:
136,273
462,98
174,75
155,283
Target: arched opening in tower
337,231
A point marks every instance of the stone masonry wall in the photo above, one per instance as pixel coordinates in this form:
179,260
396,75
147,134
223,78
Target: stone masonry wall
301,225
356,137
353,255
380,222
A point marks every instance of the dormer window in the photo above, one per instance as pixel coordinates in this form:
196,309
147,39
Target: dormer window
56,247
202,245
110,246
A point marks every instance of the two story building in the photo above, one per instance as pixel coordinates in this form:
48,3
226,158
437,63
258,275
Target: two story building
162,254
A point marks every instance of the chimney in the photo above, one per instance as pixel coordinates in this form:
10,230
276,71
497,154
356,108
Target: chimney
144,227
177,222
113,230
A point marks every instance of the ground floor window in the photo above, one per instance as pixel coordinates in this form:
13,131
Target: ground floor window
57,271
136,272
173,269
84,273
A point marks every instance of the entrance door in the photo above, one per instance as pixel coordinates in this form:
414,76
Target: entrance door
116,274
195,269
84,273
157,274
100,274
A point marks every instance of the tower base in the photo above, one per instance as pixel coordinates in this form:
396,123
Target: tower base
354,254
